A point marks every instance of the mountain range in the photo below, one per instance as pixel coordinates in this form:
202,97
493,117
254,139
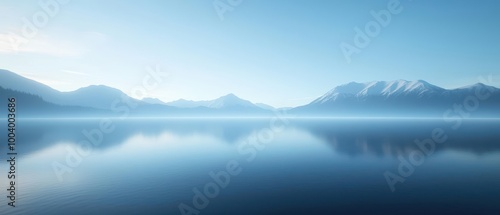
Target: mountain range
404,98
378,98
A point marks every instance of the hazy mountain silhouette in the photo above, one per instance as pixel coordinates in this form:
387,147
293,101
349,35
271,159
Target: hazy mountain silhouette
153,101
102,99
378,98
265,106
33,106
227,101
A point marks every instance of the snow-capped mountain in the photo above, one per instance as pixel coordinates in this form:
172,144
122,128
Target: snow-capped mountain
400,97
379,88
379,98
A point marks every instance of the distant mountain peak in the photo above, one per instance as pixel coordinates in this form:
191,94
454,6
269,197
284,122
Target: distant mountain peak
153,101
230,100
379,88
229,96
227,101
399,98
99,89
478,85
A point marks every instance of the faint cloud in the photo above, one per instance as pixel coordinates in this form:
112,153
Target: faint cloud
39,45
95,37
6,42
79,45
44,80
75,72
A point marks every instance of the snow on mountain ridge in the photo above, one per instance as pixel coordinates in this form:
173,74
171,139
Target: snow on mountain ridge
383,88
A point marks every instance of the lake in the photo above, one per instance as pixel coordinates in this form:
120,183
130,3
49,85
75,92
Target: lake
255,166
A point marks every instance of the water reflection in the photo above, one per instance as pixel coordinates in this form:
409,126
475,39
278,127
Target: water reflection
392,138
312,167
351,137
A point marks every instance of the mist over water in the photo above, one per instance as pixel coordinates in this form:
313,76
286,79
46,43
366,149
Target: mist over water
311,166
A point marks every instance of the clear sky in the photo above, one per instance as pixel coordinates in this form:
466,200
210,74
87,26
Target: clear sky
279,52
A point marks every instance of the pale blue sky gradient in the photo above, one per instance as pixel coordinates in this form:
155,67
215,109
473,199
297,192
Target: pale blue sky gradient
283,53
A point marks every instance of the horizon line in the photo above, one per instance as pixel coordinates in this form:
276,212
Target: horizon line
255,103
250,117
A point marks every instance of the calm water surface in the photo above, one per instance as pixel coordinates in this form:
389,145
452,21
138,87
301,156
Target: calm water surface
297,167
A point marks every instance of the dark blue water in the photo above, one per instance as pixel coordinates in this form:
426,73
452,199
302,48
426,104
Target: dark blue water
295,166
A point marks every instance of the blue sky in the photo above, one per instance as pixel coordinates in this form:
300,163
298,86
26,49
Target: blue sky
283,53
